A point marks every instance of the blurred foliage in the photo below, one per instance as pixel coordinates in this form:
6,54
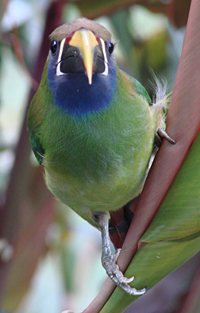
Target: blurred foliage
58,274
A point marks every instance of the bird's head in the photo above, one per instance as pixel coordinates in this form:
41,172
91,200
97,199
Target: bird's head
81,70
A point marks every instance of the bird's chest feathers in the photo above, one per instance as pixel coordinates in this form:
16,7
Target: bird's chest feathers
98,159
103,144
84,148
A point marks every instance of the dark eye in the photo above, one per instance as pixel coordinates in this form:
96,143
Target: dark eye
53,46
110,47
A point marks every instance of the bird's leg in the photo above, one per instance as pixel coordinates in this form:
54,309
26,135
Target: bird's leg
109,260
164,134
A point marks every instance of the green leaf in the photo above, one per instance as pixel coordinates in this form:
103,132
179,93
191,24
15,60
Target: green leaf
152,263
179,214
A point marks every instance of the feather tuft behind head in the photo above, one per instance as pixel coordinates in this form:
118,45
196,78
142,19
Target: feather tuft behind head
161,100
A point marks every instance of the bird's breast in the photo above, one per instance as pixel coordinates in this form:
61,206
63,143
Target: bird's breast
97,161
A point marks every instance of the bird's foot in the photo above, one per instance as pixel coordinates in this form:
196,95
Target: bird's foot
113,271
109,260
164,134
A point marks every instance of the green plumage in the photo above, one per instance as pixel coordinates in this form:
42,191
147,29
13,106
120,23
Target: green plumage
93,129
98,161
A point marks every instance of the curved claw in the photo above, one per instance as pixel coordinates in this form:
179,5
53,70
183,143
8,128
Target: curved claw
128,289
135,292
164,134
128,280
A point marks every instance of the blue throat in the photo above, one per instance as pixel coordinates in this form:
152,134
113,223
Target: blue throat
73,94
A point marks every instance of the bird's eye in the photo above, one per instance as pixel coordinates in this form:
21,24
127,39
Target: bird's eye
111,47
53,46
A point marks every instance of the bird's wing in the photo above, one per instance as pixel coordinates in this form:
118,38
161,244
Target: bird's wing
134,86
37,148
140,89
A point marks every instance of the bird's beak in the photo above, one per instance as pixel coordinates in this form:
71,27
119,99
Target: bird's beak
86,42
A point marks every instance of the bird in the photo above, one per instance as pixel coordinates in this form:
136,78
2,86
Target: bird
93,128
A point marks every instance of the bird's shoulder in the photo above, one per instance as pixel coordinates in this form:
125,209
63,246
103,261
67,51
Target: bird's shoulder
134,87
